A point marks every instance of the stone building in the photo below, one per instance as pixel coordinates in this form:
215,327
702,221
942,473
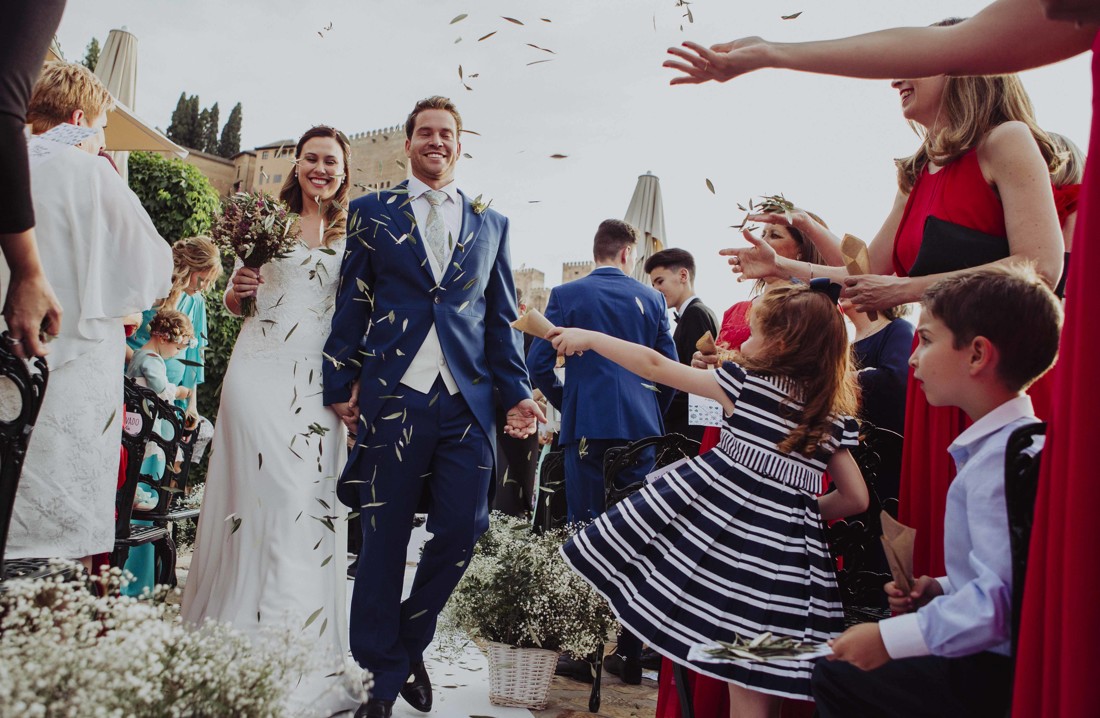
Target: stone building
377,160
221,172
576,270
531,287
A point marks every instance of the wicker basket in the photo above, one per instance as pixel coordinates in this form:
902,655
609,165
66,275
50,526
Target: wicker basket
520,677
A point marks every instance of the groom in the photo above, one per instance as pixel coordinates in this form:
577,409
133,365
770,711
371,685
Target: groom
420,355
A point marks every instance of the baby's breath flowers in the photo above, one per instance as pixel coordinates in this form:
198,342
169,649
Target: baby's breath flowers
518,590
67,652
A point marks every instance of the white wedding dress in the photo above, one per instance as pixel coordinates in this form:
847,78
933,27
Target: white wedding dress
272,538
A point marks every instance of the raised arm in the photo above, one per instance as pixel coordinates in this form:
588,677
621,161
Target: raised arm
1006,36
643,361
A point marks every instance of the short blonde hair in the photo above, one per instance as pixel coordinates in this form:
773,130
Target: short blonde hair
62,88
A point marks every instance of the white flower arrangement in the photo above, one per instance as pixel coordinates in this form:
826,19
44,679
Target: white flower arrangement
65,652
519,590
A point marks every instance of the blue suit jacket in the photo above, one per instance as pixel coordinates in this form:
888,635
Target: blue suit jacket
388,300
601,400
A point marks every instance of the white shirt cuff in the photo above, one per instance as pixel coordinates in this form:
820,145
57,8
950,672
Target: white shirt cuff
902,636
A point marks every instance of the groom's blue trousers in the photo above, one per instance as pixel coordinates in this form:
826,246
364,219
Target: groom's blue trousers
420,442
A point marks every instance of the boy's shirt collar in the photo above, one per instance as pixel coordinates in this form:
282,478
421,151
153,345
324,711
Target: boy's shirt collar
1008,412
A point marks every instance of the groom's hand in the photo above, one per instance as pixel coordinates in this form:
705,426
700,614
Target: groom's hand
523,418
348,411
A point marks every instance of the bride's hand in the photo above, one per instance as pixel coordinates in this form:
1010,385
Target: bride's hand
246,282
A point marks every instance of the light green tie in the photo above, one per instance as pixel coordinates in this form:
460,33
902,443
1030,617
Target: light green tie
436,231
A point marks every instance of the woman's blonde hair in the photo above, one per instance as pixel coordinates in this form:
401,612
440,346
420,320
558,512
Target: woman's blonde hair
970,107
1072,170
336,212
806,341
192,255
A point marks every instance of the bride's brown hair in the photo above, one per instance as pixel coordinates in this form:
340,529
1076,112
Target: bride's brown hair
805,341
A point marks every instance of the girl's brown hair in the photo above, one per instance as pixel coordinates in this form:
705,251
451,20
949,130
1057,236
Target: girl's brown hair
336,213
171,324
969,109
806,342
192,255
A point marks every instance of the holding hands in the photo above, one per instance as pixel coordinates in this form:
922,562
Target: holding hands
720,62
523,418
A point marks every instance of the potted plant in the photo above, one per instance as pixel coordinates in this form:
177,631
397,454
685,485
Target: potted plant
520,597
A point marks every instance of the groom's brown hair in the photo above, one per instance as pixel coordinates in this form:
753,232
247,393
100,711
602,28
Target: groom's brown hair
435,102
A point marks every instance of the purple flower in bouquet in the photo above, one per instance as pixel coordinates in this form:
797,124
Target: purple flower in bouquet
257,228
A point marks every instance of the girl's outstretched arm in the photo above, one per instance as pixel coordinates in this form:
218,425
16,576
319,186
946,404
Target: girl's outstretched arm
851,496
641,360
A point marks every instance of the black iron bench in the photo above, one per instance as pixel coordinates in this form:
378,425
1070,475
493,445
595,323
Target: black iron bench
29,380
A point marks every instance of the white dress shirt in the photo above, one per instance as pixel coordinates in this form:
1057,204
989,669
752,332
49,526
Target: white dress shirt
974,612
429,361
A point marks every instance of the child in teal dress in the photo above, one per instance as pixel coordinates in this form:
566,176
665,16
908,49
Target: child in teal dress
170,332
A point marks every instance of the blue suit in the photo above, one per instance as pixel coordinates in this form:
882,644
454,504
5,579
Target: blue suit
601,402
409,443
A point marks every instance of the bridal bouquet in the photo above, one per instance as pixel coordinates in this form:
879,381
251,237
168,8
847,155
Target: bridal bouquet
257,228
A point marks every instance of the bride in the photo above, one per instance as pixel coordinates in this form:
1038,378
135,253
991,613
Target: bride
272,536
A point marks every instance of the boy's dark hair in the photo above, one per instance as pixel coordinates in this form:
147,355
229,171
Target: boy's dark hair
611,236
1012,307
672,258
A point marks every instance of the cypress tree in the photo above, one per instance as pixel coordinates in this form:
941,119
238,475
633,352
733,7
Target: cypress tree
230,143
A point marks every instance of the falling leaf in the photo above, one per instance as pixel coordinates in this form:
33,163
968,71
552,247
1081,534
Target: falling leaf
512,20
463,306
290,332
539,62
460,72
313,617
459,18
261,457
110,420
418,614
790,17
640,307
651,387
544,49
710,186
326,561
558,157
486,37
469,284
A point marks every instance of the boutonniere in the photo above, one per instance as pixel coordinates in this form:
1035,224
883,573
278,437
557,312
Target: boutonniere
478,206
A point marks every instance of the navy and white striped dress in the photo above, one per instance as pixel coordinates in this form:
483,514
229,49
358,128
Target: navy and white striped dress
728,543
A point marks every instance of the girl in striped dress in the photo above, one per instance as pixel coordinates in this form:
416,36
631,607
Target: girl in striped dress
731,542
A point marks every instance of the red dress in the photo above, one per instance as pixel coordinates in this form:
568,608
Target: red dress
957,193
1060,626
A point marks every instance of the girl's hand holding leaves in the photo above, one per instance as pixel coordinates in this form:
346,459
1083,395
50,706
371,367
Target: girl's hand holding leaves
569,341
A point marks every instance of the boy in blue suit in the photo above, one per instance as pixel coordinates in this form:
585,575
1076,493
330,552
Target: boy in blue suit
603,405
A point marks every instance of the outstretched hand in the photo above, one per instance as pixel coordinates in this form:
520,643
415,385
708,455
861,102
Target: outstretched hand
522,419
569,341
720,62
757,261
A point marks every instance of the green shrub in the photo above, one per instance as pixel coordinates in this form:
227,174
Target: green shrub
178,197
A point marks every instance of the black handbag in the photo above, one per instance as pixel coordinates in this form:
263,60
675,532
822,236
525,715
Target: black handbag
948,247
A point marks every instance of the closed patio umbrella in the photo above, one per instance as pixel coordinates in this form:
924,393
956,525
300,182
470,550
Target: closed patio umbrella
117,68
647,213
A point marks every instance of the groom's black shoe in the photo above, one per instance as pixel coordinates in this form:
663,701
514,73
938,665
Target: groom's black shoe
375,708
417,690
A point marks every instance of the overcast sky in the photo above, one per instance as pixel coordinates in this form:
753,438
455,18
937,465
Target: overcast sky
603,100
